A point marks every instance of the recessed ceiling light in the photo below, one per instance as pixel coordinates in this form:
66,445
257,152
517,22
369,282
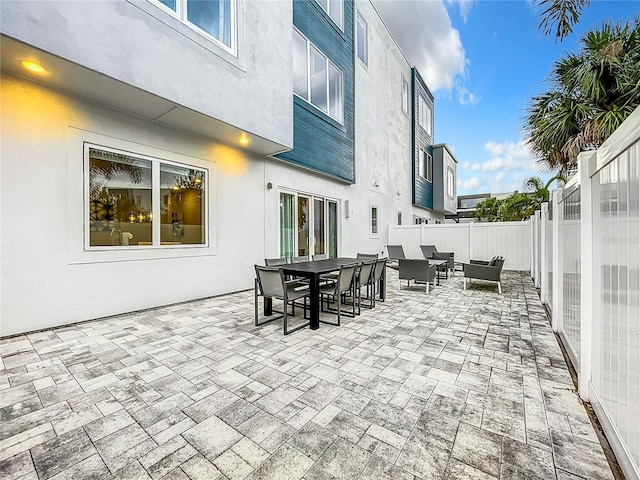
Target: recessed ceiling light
33,66
243,140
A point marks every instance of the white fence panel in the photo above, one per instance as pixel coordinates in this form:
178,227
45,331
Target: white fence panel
449,238
616,241
478,241
570,272
409,236
512,240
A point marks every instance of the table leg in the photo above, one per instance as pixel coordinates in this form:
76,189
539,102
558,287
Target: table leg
314,302
383,283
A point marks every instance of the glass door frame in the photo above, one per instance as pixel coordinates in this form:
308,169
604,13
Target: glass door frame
327,201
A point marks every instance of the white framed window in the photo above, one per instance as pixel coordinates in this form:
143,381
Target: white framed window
424,114
374,220
425,165
134,201
451,182
335,9
405,96
215,19
316,79
362,48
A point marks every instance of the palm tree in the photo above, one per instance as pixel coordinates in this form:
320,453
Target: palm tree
592,93
560,15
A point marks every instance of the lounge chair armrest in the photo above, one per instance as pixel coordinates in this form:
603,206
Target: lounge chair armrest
478,262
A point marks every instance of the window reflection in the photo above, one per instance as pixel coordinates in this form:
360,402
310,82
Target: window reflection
182,196
119,199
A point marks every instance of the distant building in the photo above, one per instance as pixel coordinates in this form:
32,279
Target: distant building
467,205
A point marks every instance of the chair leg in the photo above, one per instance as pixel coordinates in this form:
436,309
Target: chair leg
499,288
464,283
255,301
426,289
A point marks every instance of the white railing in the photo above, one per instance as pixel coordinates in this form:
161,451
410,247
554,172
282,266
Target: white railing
586,258
477,241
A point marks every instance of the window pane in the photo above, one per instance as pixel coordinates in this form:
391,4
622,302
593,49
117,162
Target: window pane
182,191
333,230
119,199
427,120
335,92
169,3
335,11
286,225
405,96
303,226
421,164
361,39
429,164
212,16
318,79
300,67
318,225
324,4
374,219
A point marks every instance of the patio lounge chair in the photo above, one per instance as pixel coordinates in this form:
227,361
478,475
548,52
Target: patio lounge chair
367,256
417,270
430,251
395,252
270,283
481,270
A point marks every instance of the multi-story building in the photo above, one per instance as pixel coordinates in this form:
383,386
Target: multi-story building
153,151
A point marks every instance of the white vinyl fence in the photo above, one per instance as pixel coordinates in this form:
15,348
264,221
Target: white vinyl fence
477,241
588,268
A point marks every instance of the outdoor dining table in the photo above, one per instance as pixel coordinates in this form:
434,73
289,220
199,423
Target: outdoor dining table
439,264
313,270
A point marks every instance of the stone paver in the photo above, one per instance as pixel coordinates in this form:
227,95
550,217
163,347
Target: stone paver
447,385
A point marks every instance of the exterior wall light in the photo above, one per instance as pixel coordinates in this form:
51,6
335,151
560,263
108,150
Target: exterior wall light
243,140
33,66
376,183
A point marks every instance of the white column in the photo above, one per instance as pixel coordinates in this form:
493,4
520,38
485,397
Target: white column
544,283
588,301
558,277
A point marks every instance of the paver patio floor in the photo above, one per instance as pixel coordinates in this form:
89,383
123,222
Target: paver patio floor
454,384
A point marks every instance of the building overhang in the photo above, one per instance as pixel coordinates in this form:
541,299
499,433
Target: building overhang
96,87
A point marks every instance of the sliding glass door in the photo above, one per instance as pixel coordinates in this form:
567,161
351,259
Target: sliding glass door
308,225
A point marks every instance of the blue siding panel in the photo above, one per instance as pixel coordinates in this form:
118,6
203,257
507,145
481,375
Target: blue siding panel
319,142
422,189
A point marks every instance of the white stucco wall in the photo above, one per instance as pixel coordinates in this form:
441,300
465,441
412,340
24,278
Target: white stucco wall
140,44
383,131
47,277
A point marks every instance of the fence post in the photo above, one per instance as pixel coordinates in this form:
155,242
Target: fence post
557,262
544,283
532,247
588,299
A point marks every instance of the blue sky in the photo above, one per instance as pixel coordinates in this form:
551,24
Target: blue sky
484,60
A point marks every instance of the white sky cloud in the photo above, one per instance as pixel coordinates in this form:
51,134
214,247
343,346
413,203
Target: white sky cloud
424,32
470,185
464,6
